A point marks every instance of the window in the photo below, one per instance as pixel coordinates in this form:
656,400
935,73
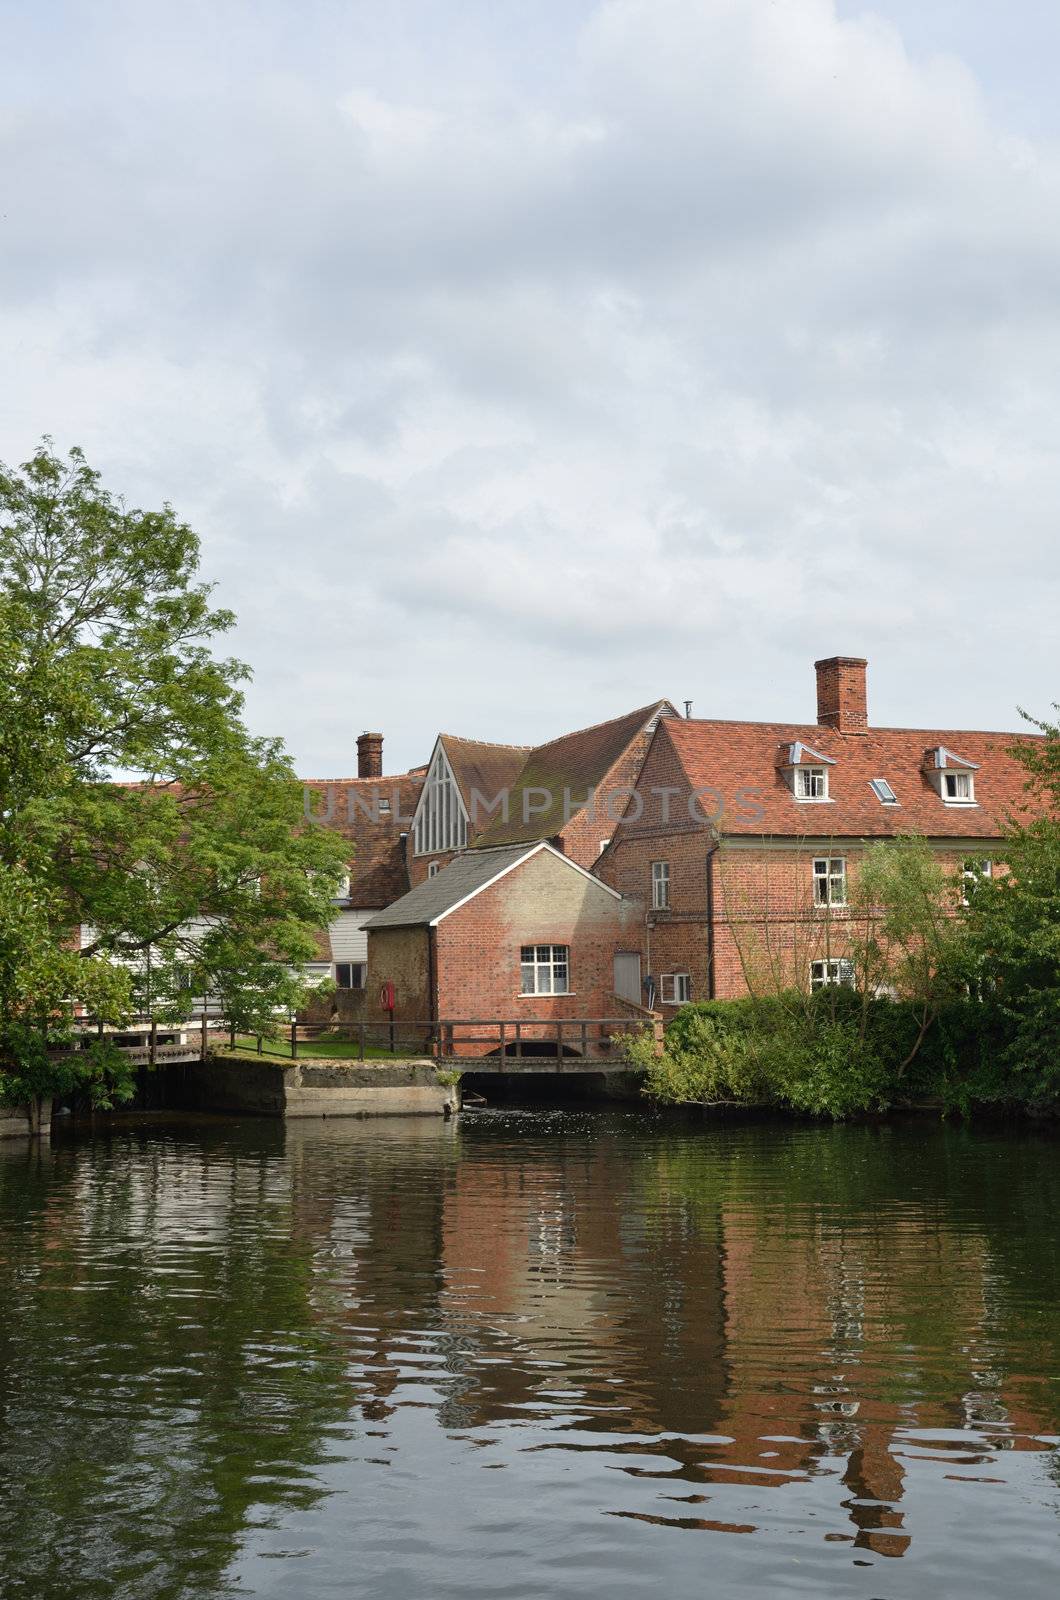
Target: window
384,803
432,870
342,889
823,973
883,791
811,783
830,881
603,845
440,821
958,788
545,968
660,885
349,974
675,988
974,872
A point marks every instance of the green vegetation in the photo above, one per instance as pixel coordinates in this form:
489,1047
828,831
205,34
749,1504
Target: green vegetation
953,1005
135,803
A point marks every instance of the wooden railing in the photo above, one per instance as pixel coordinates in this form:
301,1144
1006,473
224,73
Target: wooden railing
449,1039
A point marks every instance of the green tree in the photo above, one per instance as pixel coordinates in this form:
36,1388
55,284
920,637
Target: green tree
1014,930
134,803
906,938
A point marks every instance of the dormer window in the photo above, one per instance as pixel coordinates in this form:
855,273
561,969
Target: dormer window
806,771
957,787
952,776
811,783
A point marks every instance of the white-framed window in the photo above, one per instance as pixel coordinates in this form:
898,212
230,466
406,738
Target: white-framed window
823,973
660,885
441,820
342,890
958,788
675,988
883,791
432,869
811,783
384,804
974,872
349,974
545,968
830,881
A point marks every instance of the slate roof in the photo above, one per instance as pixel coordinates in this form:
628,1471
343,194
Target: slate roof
575,763
735,756
435,896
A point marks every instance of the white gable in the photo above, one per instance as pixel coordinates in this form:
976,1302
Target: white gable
440,819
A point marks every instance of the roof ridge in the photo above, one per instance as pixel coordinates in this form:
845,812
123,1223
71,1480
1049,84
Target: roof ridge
802,727
652,705
494,744
384,777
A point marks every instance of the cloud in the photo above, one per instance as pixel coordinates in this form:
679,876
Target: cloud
513,378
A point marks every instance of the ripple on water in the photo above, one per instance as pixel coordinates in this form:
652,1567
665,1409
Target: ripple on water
530,1356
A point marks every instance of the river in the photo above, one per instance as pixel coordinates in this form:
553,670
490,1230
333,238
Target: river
530,1354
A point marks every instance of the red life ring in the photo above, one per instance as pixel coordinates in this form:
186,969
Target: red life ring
386,996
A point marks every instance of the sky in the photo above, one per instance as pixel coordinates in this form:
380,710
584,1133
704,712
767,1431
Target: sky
520,362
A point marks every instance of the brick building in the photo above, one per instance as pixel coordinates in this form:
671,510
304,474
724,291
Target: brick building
511,932
743,838
472,794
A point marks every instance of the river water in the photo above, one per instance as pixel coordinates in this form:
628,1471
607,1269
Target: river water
530,1354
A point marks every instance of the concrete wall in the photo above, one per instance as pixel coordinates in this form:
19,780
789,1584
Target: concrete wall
23,1122
320,1089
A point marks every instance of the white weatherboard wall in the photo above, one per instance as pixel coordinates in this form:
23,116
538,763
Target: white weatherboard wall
349,941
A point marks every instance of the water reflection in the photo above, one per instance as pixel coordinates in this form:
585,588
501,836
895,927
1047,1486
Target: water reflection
529,1355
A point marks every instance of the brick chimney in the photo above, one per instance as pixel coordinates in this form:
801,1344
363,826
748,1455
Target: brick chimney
370,755
842,702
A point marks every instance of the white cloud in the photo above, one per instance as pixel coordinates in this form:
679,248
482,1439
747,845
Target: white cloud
512,386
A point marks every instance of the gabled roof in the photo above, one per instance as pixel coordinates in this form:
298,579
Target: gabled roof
568,766
939,757
801,755
465,877
481,765
738,760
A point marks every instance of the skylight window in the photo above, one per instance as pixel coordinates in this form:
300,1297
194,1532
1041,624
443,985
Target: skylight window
883,791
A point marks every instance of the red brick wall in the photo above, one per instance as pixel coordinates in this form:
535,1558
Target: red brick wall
766,927
580,838
542,901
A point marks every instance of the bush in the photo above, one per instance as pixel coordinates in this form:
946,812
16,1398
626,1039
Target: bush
831,1054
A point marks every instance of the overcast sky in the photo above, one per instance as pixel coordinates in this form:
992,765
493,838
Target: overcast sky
523,361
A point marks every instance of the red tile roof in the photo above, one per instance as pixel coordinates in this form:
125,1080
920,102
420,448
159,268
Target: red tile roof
378,873
739,759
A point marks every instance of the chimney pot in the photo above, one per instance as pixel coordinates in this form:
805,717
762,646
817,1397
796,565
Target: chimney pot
370,755
842,700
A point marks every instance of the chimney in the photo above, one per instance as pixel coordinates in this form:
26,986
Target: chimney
841,698
370,755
